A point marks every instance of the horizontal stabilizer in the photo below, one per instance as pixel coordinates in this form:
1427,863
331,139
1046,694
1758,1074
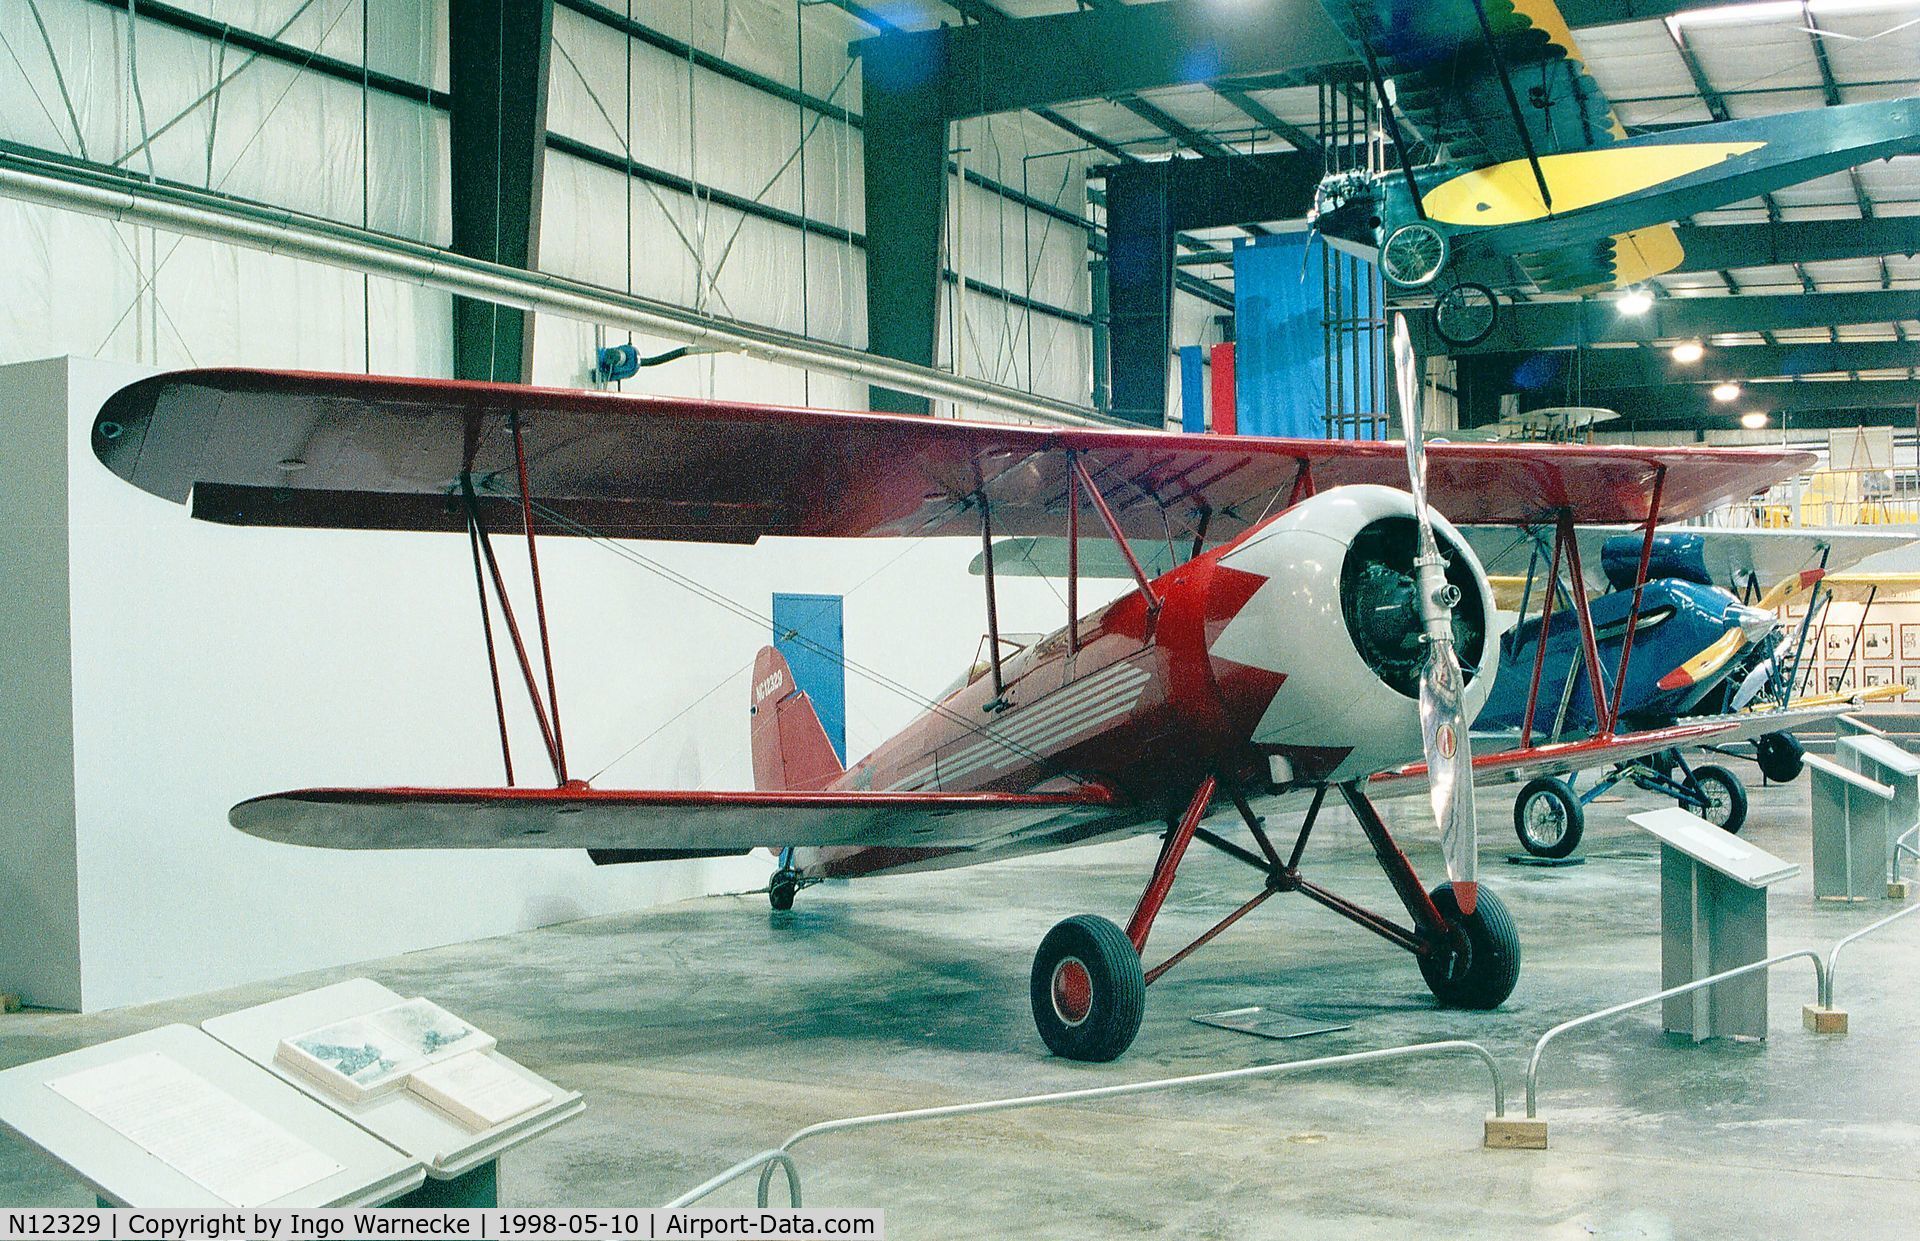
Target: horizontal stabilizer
653,820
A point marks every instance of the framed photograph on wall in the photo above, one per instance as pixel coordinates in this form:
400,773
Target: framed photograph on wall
1876,641
1910,643
1875,674
1910,677
1839,684
1834,641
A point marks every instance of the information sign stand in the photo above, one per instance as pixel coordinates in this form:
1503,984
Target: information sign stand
1852,829
1713,918
1881,760
97,1112
462,1166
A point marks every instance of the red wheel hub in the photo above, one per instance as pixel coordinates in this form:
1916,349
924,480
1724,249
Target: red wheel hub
1072,991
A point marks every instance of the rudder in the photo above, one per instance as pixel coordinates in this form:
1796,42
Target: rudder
790,747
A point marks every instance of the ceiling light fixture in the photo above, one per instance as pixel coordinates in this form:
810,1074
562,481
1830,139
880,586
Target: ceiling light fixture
1635,301
1689,351
1753,420
1726,392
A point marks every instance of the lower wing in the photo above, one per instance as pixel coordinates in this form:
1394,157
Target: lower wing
1564,756
662,824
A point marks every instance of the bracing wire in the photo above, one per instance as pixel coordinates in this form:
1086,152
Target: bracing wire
742,611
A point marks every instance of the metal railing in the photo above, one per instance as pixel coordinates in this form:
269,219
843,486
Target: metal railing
781,1157
1539,1048
1833,957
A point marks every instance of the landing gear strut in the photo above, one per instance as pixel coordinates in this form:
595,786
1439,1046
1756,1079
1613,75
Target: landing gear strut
785,883
1549,817
1088,987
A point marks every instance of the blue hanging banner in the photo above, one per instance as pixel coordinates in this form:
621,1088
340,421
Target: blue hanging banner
1280,338
1193,390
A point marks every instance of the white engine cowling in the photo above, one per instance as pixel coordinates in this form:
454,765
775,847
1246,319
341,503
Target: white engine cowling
1339,619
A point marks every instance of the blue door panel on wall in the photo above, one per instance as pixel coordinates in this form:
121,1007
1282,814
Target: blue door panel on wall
810,631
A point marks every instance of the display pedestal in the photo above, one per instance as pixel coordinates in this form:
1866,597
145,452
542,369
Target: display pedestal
477,1188
1878,758
1852,828
462,1166
1713,918
121,1172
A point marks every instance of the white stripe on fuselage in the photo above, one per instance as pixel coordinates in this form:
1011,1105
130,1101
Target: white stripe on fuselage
1103,696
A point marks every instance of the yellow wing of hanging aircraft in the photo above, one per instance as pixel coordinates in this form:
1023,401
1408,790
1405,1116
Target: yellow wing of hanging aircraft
1516,175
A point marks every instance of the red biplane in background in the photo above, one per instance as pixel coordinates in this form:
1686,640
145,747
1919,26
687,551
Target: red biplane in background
1323,632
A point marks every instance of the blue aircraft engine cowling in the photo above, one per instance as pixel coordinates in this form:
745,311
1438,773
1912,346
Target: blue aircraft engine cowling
1678,620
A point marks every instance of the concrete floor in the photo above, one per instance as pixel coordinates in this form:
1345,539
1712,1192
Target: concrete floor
704,1031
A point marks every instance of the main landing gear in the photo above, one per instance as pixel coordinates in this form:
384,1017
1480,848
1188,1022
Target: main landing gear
1549,817
1089,983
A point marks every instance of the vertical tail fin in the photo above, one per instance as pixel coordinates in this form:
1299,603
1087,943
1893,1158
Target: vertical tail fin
790,748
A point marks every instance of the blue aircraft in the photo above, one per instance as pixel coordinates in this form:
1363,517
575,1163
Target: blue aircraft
1694,643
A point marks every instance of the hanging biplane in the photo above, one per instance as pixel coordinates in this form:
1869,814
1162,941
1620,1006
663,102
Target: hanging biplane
1324,632
1515,176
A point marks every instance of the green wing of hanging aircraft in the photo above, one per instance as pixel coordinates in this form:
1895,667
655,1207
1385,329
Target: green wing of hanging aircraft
1522,177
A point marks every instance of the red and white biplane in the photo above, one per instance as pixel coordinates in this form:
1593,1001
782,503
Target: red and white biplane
1306,643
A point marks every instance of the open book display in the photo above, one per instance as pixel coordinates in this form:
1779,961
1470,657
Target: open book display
416,1045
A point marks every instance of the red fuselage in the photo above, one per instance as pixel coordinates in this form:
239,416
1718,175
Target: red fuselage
1150,700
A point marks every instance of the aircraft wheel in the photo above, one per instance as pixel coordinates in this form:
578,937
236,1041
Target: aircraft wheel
1548,818
1726,798
782,888
1088,989
1465,314
1779,755
1483,975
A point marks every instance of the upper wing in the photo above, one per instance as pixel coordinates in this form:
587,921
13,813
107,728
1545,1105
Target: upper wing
1447,85
1565,756
280,448
661,823
1732,557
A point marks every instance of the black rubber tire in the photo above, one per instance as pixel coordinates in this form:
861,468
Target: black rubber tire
1116,998
1562,801
1450,329
1484,975
781,890
1780,757
1725,789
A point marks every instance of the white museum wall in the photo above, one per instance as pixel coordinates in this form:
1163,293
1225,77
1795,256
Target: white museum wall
210,664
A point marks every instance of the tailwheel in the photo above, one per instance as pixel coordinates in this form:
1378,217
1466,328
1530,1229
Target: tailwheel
782,888
1548,818
1088,989
1482,971
1781,757
1725,797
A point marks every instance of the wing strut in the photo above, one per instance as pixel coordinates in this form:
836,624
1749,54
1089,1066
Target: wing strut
1400,148
559,743
1079,471
486,629
483,544
1639,585
1583,612
1073,559
1513,105
1540,647
998,701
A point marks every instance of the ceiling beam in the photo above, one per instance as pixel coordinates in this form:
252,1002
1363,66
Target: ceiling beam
1694,405
1106,51
1899,416
1564,370
1530,326
1715,247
